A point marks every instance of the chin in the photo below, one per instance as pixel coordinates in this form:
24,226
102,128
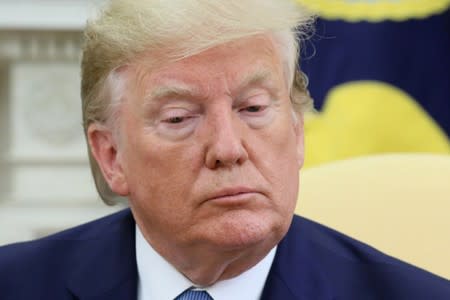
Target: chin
242,229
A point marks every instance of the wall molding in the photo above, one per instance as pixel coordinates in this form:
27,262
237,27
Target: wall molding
46,14
40,45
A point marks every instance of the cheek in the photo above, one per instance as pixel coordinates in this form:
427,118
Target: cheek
159,171
280,144
279,162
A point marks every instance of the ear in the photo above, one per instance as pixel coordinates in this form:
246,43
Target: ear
300,139
104,149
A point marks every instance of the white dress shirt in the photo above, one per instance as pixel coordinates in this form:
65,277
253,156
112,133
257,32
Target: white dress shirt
159,280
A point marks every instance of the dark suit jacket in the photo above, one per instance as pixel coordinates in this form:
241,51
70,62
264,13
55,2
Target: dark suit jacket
97,261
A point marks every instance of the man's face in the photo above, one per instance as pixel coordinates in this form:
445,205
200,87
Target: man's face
209,150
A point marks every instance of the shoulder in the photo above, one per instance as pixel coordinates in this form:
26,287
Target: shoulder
50,247
35,264
353,267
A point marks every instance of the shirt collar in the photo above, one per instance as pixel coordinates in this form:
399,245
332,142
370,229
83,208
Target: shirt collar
158,279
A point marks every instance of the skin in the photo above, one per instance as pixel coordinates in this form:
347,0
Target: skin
208,153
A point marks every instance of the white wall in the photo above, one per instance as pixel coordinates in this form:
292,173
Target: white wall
46,14
45,181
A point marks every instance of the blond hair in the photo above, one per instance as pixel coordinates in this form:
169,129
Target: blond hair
174,29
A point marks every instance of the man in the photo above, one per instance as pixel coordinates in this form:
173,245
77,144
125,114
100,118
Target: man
193,111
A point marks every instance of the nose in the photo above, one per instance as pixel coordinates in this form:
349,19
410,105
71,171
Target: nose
225,146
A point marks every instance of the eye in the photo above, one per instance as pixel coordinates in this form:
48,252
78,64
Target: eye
176,116
254,108
177,124
175,120
257,110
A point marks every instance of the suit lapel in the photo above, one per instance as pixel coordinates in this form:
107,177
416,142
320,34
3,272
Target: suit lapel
296,271
106,262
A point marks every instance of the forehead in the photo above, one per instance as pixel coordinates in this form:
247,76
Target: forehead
234,62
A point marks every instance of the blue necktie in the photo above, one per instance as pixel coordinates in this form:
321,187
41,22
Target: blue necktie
194,295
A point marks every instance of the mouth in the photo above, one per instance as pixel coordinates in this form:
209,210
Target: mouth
233,196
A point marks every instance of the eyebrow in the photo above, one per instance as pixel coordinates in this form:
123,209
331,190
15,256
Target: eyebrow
166,91
258,77
181,90
169,91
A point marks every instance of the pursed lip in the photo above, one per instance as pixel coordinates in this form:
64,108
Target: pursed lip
233,193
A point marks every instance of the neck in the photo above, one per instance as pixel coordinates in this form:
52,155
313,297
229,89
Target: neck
204,266
218,267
